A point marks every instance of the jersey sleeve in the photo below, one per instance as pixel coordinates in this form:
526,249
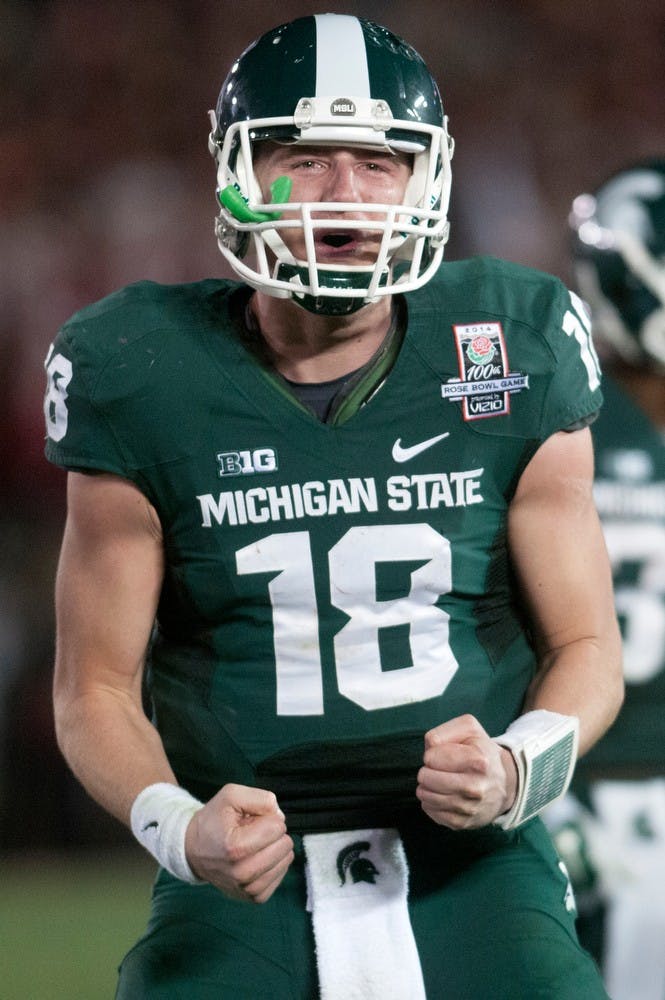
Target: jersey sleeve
574,395
78,436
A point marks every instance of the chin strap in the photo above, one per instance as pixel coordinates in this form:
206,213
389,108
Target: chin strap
544,747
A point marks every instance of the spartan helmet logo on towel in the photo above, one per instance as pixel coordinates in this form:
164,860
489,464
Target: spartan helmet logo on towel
360,869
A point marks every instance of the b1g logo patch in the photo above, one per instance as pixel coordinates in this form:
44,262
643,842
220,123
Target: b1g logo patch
485,382
246,463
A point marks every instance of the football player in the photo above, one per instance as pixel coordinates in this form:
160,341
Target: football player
612,832
338,517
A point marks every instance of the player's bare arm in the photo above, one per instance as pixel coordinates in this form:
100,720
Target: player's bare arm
108,585
559,556
561,561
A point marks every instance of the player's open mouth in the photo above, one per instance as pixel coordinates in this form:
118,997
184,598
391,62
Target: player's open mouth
337,239
339,243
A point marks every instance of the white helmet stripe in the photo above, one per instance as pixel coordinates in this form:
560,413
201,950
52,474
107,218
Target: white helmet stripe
340,41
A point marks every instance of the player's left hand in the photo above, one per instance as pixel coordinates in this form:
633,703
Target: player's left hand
467,779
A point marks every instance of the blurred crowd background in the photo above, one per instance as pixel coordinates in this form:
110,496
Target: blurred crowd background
105,178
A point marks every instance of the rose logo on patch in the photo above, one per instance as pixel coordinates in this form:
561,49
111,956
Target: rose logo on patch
481,350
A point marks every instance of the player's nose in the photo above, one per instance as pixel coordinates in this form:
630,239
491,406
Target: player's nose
342,184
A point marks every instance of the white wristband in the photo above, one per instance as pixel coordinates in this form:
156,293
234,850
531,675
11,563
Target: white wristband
544,747
159,818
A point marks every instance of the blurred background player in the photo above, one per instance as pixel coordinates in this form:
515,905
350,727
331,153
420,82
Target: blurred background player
613,832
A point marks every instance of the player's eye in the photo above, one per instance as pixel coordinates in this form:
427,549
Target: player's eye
306,165
379,167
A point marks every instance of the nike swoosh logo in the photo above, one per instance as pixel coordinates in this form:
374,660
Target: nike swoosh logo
401,454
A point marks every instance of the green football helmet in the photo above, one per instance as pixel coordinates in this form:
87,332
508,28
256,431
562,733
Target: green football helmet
619,256
333,80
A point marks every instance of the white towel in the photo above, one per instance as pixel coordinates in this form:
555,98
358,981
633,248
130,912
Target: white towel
357,883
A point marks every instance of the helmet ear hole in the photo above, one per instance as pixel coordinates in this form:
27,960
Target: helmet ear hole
234,242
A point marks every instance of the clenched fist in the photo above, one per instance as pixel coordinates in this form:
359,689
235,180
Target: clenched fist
238,842
467,779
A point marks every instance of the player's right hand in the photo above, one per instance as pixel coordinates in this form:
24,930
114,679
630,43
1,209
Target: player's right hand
238,842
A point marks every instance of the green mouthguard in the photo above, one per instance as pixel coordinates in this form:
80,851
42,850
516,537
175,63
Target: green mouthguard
235,203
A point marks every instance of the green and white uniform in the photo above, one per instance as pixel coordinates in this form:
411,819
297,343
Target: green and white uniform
622,778
629,490
333,591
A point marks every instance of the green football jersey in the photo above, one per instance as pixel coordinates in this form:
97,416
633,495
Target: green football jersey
332,591
630,495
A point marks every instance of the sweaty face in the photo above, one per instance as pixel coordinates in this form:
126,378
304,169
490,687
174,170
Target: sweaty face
335,174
